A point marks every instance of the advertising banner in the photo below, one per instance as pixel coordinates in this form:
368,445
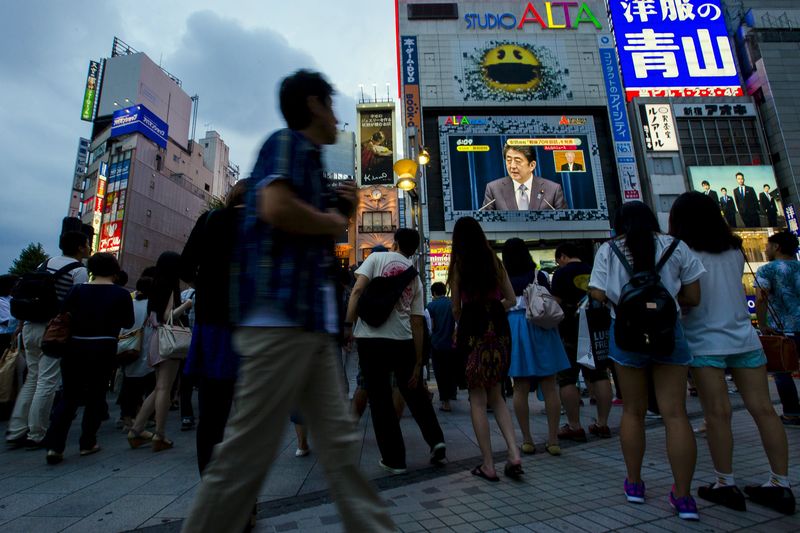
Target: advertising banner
747,195
624,154
110,237
90,93
660,134
485,159
377,146
674,48
139,119
410,70
440,260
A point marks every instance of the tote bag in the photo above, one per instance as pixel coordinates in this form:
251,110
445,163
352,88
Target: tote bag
173,339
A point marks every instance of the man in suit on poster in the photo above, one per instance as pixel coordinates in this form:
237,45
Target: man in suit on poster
768,206
521,190
708,191
746,203
727,207
571,165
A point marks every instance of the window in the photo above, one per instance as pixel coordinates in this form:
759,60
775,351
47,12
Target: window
720,141
207,187
377,222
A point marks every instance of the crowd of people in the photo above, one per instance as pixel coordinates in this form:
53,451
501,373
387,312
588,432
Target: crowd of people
273,312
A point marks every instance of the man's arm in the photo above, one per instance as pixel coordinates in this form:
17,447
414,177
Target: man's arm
761,310
355,295
558,198
488,196
279,206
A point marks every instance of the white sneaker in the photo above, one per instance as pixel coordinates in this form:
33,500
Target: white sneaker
392,470
302,453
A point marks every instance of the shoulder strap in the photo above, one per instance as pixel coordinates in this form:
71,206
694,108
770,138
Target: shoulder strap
667,254
621,256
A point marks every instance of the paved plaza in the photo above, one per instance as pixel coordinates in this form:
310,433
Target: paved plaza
121,489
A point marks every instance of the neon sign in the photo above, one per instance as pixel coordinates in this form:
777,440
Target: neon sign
558,16
458,120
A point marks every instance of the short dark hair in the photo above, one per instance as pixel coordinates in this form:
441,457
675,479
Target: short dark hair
723,189
786,241
70,241
739,174
438,289
121,278
143,286
103,264
294,93
407,240
766,185
526,150
567,249
705,182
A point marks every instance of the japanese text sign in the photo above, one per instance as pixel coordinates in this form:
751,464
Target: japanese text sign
659,128
674,48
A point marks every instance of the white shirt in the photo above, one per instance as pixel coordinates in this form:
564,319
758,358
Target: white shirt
609,275
528,185
720,325
398,325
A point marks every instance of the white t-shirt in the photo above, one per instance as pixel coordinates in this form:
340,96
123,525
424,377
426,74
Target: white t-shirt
398,325
720,325
79,274
609,275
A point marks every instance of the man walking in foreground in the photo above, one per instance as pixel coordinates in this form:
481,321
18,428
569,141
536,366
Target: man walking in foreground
286,317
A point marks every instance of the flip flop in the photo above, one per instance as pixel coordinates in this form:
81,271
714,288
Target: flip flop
513,471
478,471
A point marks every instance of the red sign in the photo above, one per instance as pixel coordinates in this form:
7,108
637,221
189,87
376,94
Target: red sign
110,237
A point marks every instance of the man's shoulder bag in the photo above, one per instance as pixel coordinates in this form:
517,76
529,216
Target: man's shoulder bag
381,295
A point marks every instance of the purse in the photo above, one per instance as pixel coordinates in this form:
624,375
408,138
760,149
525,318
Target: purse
173,339
129,347
57,334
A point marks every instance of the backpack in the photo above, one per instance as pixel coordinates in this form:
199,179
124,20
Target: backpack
646,311
381,295
35,298
541,308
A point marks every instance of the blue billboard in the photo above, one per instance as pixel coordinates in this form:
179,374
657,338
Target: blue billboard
139,119
673,48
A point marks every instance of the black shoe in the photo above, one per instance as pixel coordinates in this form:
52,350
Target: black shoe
19,442
730,497
187,423
438,454
779,499
53,457
33,445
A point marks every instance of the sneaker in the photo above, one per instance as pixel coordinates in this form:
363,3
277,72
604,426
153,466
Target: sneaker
778,499
53,457
686,507
790,421
187,423
634,491
391,470
650,415
604,432
567,433
730,497
299,452
438,454
617,402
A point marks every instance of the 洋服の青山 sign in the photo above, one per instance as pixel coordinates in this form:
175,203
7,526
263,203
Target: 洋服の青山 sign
548,15
139,119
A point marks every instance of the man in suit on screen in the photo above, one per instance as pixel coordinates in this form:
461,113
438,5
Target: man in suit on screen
708,191
746,203
521,190
571,165
727,207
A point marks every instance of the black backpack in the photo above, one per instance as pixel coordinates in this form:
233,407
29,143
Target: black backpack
381,295
35,298
646,311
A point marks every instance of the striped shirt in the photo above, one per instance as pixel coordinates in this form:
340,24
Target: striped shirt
276,274
65,281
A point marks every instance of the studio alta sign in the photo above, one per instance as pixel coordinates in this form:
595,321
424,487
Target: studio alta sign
547,15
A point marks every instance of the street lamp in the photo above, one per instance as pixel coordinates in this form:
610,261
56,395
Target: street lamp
424,157
406,170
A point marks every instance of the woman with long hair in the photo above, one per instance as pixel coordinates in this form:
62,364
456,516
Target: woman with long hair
537,354
165,298
640,239
481,294
721,336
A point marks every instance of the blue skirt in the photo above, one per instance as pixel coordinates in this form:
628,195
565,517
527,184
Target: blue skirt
534,351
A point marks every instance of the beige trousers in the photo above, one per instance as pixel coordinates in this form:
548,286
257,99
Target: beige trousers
284,368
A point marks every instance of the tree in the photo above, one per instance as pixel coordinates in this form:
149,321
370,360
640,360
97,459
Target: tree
215,202
29,258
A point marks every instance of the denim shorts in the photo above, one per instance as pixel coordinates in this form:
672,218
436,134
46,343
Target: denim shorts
751,359
680,355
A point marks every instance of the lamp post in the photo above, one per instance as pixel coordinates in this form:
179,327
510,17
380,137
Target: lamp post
406,170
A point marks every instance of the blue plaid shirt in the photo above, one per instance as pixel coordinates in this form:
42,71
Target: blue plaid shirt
278,271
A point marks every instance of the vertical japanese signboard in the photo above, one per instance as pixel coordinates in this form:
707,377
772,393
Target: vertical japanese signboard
410,69
659,128
376,134
674,48
99,202
90,93
620,127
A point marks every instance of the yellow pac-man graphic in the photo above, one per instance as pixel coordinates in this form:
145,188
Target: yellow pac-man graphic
582,282
511,68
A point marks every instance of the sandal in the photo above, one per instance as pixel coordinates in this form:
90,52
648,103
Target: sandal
514,471
478,471
528,448
139,439
553,449
161,443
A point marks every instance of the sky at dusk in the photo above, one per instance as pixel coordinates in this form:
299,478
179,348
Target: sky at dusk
232,54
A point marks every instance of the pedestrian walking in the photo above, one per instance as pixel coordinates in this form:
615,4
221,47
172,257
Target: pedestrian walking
164,301
285,310
98,310
640,242
537,354
481,294
443,351
570,287
778,310
395,347
721,336
31,415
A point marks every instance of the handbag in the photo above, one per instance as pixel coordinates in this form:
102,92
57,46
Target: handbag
541,308
173,339
57,334
781,350
8,373
129,347
585,352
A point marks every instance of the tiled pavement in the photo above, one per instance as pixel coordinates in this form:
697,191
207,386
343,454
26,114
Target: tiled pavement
121,489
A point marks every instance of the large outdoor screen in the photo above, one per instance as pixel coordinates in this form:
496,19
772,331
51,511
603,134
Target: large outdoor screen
523,173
